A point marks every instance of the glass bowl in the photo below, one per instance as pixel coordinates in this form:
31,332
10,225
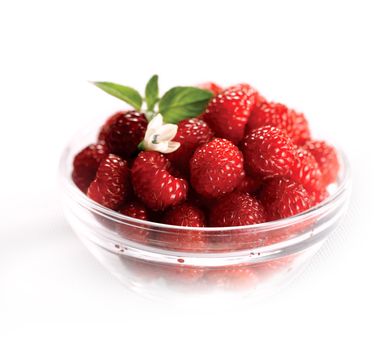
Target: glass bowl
244,261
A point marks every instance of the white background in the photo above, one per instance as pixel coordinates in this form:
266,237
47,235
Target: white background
330,59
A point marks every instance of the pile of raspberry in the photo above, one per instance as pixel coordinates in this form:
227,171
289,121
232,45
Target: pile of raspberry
243,161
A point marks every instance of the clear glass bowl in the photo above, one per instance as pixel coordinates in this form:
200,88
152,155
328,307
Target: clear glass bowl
245,261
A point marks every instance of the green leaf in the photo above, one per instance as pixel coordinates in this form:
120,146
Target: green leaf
124,93
183,102
152,92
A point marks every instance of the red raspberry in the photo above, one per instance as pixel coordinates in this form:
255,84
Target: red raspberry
284,197
320,196
137,233
105,127
302,131
249,184
214,88
326,158
85,164
259,99
306,171
200,201
228,112
184,214
124,132
268,151
237,209
154,183
191,134
111,182
276,114
134,210
216,168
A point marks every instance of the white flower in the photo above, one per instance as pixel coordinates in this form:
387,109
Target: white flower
159,136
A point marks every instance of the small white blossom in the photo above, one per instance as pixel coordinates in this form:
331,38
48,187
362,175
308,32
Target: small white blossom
159,136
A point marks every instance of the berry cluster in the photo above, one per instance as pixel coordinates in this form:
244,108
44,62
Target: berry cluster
216,157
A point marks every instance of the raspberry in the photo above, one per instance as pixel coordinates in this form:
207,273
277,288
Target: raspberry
237,209
124,132
191,133
85,164
320,196
154,183
184,214
259,99
111,182
302,131
276,114
284,197
135,210
214,88
200,201
268,151
248,161
216,168
228,112
105,127
326,158
306,171
249,90
249,184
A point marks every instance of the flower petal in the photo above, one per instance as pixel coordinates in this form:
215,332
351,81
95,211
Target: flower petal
153,126
167,132
158,136
172,146
159,147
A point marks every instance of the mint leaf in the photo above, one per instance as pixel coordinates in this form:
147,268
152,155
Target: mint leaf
152,92
183,102
124,93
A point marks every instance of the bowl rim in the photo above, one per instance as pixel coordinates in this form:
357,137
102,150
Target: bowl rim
66,181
